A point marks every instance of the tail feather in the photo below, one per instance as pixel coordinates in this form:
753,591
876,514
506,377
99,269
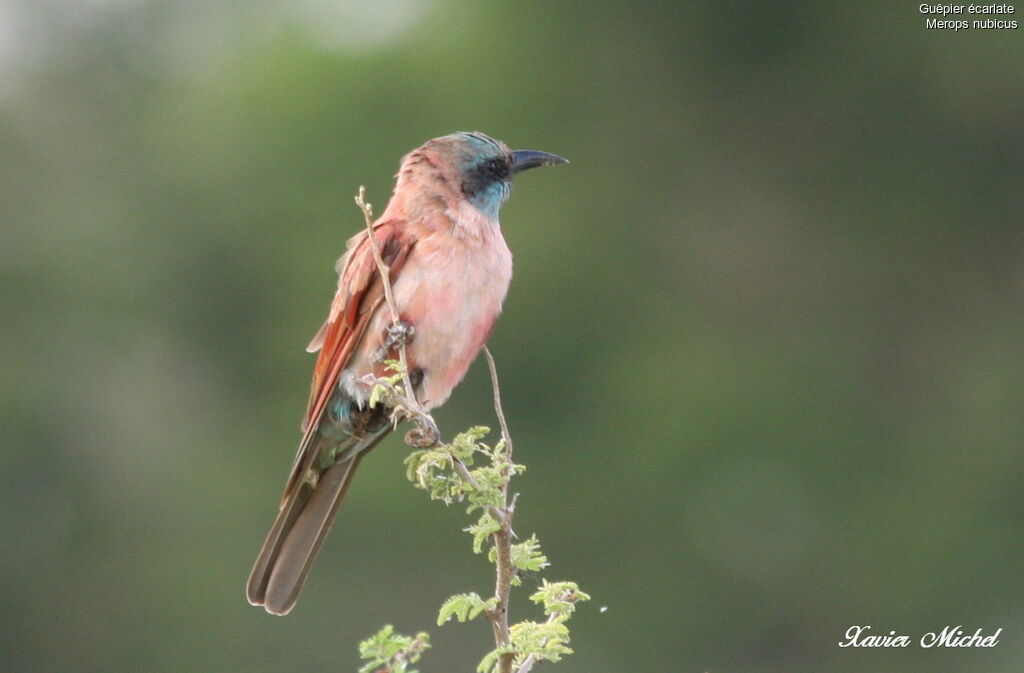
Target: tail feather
256,589
298,532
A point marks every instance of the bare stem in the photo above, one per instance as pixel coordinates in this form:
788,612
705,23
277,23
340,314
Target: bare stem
497,401
384,269
504,535
385,277
424,421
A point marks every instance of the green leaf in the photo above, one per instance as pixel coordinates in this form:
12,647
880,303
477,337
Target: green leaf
395,366
481,530
375,395
527,556
546,641
463,607
430,470
491,660
467,443
392,651
559,598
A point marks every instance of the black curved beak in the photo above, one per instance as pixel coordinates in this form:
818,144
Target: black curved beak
525,159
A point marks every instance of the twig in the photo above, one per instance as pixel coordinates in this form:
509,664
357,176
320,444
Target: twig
503,536
423,420
385,276
497,401
461,469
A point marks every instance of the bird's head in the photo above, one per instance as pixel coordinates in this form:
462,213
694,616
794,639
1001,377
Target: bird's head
481,166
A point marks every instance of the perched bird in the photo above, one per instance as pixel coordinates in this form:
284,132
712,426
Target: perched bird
449,270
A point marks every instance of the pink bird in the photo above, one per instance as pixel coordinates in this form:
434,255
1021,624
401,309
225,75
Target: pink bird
450,272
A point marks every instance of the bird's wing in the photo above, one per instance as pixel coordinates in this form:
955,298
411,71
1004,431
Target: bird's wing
360,293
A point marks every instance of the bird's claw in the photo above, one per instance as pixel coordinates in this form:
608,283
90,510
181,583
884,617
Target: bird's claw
395,337
398,334
424,435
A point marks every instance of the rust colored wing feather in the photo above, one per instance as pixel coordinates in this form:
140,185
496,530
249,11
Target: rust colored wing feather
359,294
312,495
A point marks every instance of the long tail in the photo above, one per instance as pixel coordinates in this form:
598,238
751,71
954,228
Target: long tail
299,530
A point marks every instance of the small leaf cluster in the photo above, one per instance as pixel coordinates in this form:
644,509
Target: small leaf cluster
392,652
559,599
433,470
464,607
540,641
386,388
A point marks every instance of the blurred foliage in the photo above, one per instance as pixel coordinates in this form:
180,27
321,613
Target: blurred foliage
392,652
784,268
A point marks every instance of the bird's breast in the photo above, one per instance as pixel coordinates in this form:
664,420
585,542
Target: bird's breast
452,297
450,289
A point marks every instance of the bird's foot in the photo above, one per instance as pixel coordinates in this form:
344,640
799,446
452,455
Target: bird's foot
399,334
424,435
395,337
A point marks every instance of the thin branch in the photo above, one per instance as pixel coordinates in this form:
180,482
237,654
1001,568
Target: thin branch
503,536
502,589
461,469
385,276
497,401
383,268
427,428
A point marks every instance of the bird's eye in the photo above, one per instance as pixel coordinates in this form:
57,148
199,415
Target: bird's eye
495,169
485,174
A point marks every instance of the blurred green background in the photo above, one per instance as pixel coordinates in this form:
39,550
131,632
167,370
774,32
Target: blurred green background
762,354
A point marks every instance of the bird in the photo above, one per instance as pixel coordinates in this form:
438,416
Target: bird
450,271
